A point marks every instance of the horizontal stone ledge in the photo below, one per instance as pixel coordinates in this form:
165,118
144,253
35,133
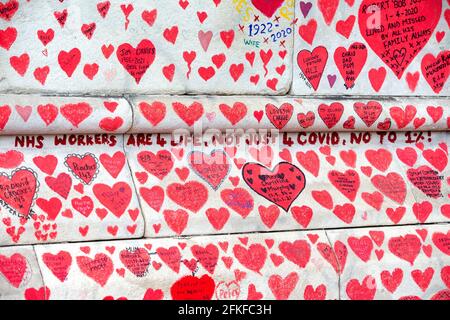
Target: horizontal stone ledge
34,114
176,47
89,187
367,47
165,114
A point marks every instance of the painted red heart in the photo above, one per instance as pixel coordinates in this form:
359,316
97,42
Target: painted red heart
20,63
347,183
8,37
350,62
59,264
392,280
337,257
218,218
8,9
298,252
328,9
48,113
252,258
154,197
426,180
159,164
361,291
189,114
68,61
279,116
136,61
114,164
442,241
213,168
368,112
331,114
392,186
13,268
46,164
84,167
22,181
176,220
116,198
362,247
154,112
193,288
137,260
403,48
234,114
267,7
191,195
98,269
238,199
283,287
312,64
405,247
5,113
171,257
282,185
436,70
76,113
84,205
207,256
61,184
10,159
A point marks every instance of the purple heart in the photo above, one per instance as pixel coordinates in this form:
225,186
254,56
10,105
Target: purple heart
331,79
305,7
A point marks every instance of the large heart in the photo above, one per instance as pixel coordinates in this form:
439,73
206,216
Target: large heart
13,268
192,195
298,252
212,168
159,164
136,260
426,180
252,258
347,183
19,190
392,186
405,247
279,116
98,269
350,62
84,167
312,64
136,60
207,256
282,185
59,264
116,198
76,113
193,288
397,34
267,7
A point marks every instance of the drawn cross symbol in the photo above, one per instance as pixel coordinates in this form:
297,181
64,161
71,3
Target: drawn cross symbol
282,43
266,40
277,19
241,28
294,22
256,18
